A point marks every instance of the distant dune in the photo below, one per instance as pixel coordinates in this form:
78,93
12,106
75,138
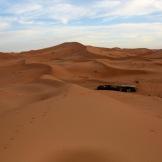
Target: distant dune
51,112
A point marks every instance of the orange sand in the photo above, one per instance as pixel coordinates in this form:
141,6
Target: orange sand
51,112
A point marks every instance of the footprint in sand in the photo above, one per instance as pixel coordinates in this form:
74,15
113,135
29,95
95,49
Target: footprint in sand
12,139
33,118
65,95
21,125
152,131
17,131
159,116
5,147
31,122
44,114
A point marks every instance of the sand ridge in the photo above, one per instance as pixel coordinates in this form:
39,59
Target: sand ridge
51,112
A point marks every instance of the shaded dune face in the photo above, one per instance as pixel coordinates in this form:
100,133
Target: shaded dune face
84,156
100,70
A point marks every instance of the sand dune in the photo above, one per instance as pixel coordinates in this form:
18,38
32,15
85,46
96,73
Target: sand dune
15,72
75,121
50,112
98,70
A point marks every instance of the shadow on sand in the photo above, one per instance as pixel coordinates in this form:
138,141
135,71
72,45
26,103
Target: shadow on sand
84,156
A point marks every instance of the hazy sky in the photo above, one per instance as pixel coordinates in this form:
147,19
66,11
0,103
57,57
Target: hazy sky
32,24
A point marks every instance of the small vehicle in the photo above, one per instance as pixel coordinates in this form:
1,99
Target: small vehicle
121,88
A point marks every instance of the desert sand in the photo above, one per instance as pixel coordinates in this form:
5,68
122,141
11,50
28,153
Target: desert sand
51,112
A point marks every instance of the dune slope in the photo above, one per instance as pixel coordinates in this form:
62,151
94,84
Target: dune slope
51,112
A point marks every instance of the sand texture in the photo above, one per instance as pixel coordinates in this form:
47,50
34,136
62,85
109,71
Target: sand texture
51,112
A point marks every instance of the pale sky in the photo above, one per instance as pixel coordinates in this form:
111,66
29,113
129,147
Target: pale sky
33,24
